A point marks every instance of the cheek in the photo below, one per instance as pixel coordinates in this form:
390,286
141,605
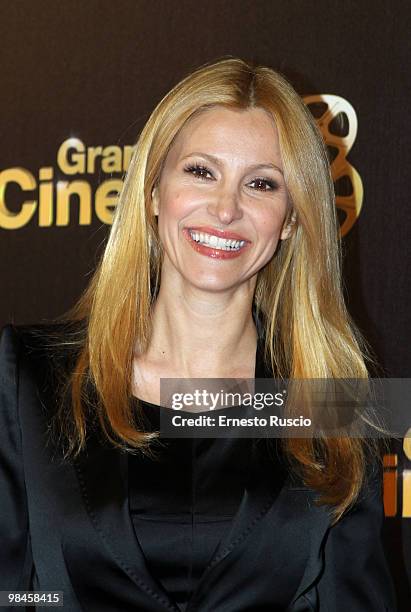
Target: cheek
175,205
269,224
174,208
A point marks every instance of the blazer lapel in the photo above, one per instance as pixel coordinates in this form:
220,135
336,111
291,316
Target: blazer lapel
103,477
99,546
270,489
264,485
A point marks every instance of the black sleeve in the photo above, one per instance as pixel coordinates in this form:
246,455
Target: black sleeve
356,576
16,562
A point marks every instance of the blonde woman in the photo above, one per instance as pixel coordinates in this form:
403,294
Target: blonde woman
223,262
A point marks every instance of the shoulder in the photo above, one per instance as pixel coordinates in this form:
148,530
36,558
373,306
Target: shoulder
38,337
41,350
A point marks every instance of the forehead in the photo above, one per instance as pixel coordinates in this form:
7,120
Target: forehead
250,133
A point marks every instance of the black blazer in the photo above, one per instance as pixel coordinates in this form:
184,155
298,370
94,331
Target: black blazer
66,526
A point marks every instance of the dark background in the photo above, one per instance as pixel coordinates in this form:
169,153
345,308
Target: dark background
95,69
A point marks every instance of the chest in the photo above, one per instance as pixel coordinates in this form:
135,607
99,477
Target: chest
147,377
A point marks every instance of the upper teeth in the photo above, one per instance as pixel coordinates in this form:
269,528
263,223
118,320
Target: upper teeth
216,242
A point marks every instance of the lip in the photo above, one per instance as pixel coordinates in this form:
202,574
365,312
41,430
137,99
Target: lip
206,229
210,251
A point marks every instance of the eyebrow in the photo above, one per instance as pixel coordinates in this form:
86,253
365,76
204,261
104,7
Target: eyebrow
218,162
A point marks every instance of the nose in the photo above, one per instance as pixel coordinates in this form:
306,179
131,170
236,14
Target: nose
226,207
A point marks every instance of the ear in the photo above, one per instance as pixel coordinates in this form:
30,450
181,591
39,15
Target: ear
288,226
155,201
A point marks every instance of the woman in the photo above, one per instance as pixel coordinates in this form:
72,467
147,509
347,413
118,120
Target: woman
222,262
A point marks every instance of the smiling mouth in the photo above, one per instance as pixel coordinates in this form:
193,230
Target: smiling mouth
221,245
216,242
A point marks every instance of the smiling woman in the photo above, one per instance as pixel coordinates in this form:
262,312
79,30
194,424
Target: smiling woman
223,262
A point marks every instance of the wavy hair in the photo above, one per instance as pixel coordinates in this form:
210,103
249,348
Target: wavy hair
299,297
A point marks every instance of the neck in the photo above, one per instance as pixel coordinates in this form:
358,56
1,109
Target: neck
204,334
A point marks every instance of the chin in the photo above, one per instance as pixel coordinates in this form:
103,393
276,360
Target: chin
211,283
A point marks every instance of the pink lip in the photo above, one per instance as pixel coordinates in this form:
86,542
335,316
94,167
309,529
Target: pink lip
209,251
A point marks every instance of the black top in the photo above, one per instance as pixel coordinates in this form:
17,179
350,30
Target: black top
182,502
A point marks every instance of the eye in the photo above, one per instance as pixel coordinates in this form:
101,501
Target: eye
262,184
199,171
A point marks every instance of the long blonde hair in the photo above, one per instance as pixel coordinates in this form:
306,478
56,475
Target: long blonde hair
298,294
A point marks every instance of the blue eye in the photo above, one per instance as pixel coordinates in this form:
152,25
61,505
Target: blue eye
198,171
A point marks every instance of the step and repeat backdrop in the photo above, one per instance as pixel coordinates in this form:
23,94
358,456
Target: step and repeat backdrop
80,78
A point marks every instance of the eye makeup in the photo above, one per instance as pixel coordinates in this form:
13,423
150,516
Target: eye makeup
201,172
